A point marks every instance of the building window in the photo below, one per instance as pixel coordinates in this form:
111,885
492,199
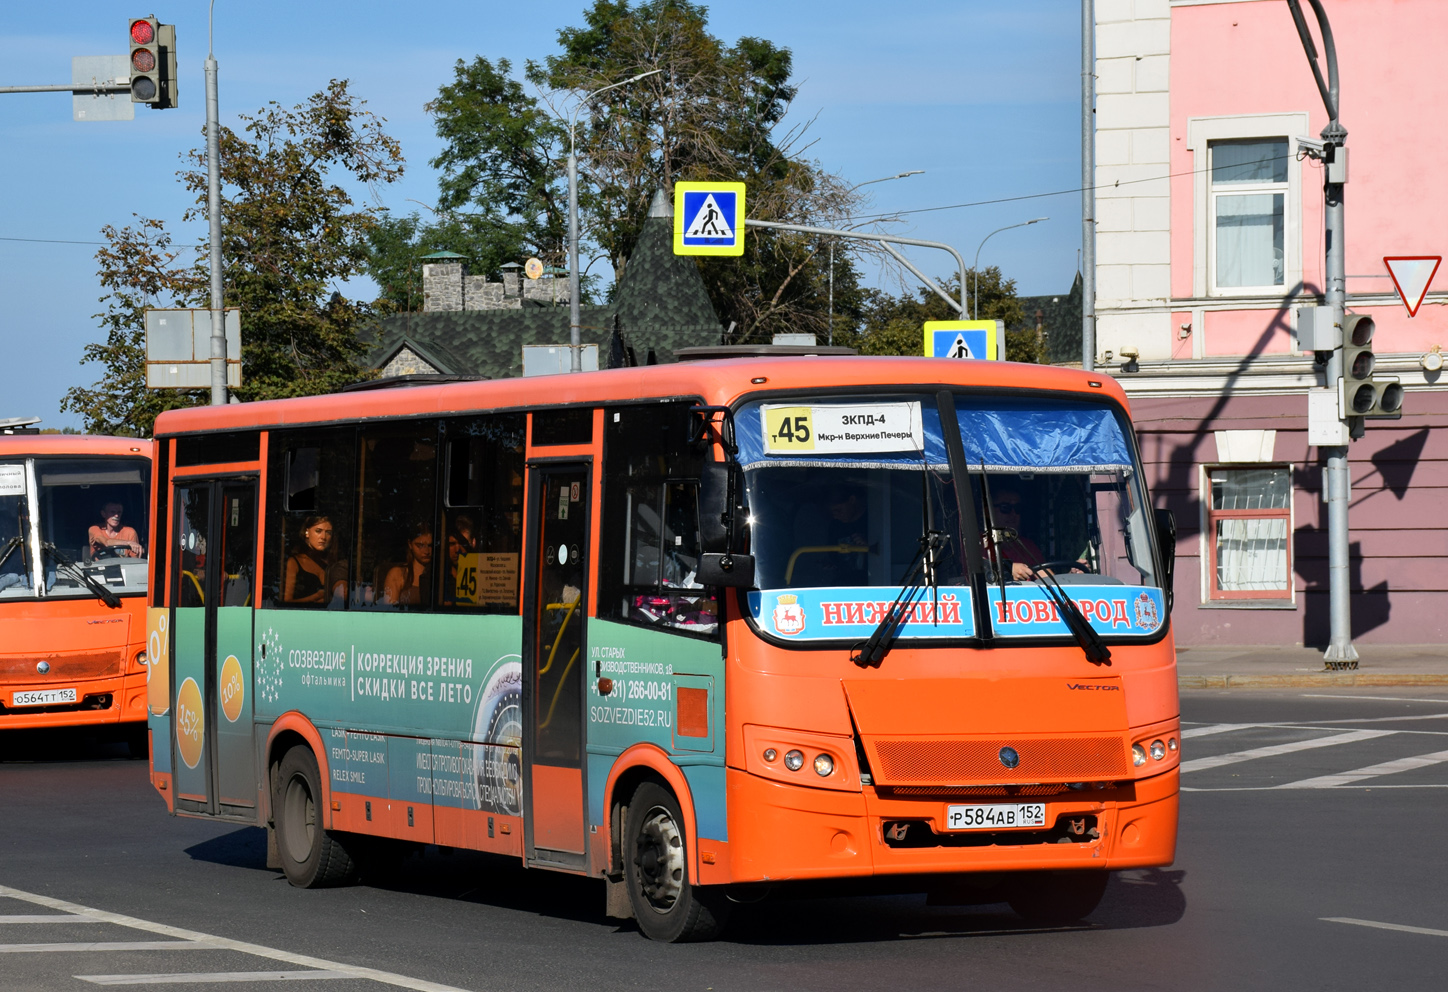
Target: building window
1249,527
1248,205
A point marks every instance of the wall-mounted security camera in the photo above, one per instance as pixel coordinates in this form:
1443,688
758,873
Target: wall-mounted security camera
1310,146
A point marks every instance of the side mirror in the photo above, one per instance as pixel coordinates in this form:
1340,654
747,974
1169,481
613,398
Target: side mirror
721,509
726,570
1166,536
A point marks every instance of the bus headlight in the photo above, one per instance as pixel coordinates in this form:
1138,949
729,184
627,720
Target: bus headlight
794,760
770,754
1158,750
824,766
1138,755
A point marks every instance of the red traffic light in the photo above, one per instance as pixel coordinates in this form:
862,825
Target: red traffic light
143,60
142,33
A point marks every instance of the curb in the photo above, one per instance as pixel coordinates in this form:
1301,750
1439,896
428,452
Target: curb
1313,680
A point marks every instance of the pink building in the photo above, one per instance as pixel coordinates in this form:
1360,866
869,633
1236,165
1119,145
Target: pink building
1210,240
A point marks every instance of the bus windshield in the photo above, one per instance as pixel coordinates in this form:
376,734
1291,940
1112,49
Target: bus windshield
843,490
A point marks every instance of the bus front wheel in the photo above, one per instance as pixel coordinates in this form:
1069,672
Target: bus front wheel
312,857
666,905
1057,898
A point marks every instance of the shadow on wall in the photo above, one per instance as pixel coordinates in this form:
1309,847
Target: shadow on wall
1397,462
1369,608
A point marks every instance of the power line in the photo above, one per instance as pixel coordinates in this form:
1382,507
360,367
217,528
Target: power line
1059,192
53,241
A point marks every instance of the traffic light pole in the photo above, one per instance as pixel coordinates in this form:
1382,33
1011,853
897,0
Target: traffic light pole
1336,478
213,204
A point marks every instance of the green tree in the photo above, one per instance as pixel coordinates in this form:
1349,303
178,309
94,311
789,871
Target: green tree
139,268
502,162
292,234
895,325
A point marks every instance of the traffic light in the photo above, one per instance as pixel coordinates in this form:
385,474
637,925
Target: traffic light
1363,395
153,62
146,57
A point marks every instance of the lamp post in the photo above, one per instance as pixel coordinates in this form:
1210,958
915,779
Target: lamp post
830,336
575,343
213,211
975,269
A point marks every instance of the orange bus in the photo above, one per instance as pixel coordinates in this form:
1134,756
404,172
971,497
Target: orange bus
695,630
74,540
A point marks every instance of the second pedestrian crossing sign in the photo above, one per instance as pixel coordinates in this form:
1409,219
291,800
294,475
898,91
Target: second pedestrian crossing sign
708,218
983,339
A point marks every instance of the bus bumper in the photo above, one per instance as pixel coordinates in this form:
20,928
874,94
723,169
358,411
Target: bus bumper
117,699
780,832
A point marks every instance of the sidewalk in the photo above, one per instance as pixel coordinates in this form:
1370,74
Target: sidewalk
1296,667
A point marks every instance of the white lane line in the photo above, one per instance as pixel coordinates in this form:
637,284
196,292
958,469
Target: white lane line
1371,771
108,945
207,977
1381,699
1274,750
45,918
226,943
1217,728
1384,926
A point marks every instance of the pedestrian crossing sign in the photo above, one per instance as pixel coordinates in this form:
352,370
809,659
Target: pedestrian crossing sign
983,339
708,218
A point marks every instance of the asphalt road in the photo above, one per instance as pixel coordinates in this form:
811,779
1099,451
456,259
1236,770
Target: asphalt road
1312,856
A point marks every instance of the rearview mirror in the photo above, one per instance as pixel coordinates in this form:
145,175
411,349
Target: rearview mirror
721,508
1166,535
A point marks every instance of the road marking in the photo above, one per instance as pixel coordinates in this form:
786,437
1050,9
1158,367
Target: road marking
1371,771
199,977
51,918
108,945
1217,728
1380,699
1272,788
1387,719
225,943
1384,926
1274,750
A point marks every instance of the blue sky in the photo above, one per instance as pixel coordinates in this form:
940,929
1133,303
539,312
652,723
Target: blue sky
982,94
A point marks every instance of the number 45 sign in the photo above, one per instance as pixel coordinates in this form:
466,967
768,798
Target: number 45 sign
965,339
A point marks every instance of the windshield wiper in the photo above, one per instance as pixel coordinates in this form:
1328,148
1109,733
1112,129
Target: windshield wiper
79,574
873,650
1086,636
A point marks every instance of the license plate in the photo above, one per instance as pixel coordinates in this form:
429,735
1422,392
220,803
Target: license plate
42,697
999,816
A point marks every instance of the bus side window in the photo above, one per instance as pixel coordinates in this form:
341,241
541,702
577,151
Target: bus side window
309,509
397,544
482,515
650,528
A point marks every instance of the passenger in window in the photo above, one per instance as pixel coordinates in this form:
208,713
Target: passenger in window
404,584
311,573
1018,552
109,538
461,540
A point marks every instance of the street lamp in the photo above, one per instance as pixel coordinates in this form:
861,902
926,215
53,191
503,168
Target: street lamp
575,343
830,339
975,268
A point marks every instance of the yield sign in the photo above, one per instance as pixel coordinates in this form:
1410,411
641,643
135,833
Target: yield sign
1412,275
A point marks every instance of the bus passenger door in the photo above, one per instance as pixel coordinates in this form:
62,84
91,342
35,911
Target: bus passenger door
214,595
554,665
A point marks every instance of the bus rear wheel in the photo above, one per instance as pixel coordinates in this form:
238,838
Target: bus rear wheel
666,905
1057,898
312,857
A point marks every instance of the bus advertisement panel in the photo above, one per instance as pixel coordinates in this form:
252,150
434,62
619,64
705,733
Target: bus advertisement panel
74,555
685,629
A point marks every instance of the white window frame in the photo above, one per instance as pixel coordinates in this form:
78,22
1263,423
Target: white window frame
1202,133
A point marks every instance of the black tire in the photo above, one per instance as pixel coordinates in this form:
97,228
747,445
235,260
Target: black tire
138,742
312,858
655,855
1057,898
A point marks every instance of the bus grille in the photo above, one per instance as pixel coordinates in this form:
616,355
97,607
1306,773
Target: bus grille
91,665
970,762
